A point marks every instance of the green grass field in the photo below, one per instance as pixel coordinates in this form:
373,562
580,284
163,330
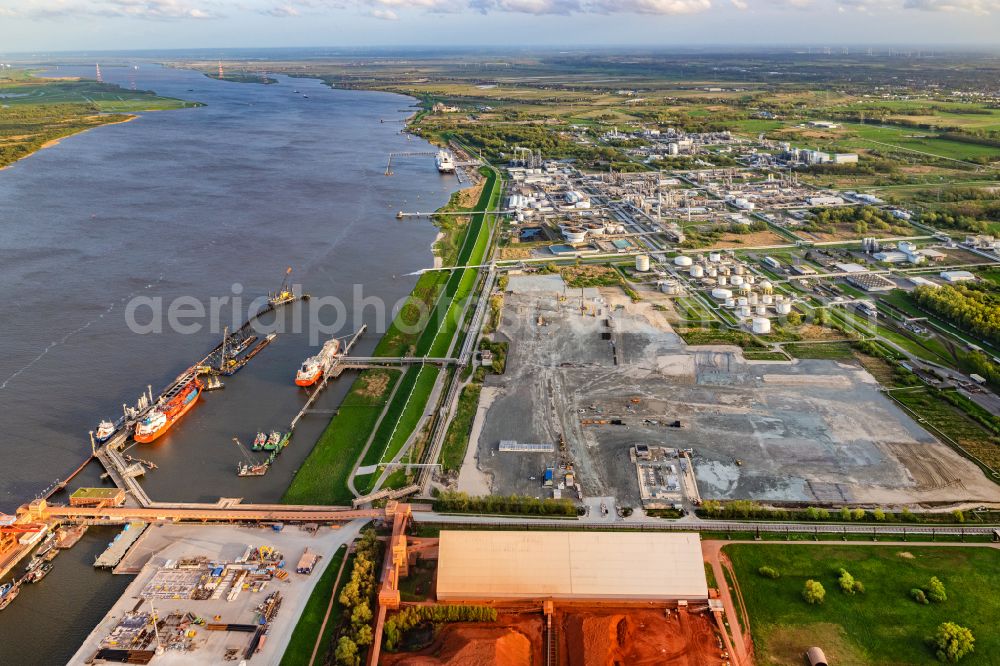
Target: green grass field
457,439
880,627
322,479
300,646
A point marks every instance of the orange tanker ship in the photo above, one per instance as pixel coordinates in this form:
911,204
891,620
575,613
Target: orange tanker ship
161,418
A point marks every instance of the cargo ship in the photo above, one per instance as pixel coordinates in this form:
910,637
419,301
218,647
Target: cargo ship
445,163
105,429
176,403
314,367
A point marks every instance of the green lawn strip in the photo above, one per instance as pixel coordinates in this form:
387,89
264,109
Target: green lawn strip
409,416
322,479
392,416
457,439
300,647
881,626
827,350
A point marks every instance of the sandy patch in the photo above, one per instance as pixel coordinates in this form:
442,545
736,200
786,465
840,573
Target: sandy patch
471,479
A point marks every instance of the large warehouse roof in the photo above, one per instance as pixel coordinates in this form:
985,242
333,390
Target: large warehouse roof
566,565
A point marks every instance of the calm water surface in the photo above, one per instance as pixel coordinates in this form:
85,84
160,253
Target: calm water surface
186,203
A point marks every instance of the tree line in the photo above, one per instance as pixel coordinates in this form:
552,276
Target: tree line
976,311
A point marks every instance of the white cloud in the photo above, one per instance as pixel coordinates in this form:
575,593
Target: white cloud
394,9
141,9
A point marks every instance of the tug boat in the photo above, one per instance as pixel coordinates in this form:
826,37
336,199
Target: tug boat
259,442
160,419
276,441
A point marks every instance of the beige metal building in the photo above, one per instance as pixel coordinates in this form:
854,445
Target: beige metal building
570,565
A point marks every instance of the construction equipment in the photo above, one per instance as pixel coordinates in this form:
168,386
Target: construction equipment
284,293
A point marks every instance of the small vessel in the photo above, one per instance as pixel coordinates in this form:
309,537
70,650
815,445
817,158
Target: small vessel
213,383
314,367
8,591
259,442
177,402
268,339
246,469
51,555
37,573
105,429
277,440
445,163
250,467
284,293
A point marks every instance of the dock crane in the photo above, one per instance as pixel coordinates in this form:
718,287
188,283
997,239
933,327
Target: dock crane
250,467
284,293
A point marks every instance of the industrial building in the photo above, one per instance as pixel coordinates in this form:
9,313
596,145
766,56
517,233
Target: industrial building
494,565
97,497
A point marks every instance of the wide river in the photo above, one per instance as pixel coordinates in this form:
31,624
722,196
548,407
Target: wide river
190,204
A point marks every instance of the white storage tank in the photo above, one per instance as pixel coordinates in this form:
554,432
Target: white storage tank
750,278
783,307
721,294
683,260
736,280
697,271
761,325
753,298
766,287
743,311
712,271
723,280
767,299
730,302
642,263
714,257
670,288
738,269
761,310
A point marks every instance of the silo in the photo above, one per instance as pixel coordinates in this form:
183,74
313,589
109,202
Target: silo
673,148
761,325
642,263
697,271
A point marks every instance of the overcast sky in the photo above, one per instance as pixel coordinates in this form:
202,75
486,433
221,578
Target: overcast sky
67,25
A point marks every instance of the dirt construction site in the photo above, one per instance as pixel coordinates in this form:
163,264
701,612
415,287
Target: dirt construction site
585,635
594,375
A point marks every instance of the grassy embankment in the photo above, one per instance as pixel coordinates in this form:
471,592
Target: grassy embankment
300,646
322,479
879,627
38,112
